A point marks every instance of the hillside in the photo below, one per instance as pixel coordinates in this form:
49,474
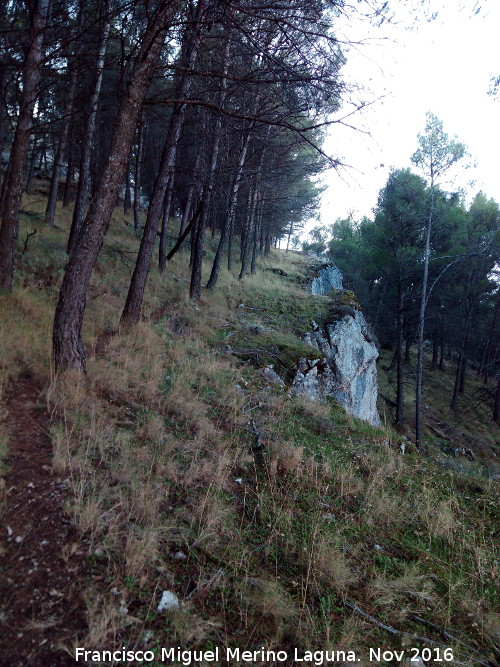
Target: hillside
178,465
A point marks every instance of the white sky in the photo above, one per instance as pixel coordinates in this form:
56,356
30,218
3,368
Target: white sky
443,66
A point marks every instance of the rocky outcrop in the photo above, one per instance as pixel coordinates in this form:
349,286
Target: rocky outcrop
347,371
325,278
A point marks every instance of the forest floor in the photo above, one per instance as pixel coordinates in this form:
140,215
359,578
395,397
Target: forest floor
43,566
177,465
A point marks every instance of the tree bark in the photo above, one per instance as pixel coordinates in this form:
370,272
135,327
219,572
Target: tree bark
132,310
421,327
82,193
441,352
435,350
228,222
9,226
61,146
137,175
195,284
167,204
70,168
31,170
489,344
399,420
189,199
246,233
461,355
68,346
127,199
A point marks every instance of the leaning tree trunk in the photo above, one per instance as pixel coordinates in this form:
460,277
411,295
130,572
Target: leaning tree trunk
67,337
186,213
132,310
228,222
199,231
164,185
9,226
83,190
195,284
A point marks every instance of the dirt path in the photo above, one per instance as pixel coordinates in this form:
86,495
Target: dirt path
41,568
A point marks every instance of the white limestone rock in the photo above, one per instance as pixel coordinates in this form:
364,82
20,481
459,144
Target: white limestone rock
169,601
347,372
327,277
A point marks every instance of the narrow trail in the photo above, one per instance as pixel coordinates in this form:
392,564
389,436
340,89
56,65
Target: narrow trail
41,566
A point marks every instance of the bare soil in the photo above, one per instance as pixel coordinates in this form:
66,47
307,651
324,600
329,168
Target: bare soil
42,567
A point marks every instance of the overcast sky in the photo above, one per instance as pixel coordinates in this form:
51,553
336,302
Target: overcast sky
443,66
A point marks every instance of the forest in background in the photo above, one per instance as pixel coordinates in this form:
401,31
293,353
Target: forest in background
426,269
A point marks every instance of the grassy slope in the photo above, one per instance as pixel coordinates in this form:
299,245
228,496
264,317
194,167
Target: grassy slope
328,513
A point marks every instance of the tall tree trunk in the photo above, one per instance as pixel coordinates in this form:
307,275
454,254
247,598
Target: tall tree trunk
255,243
127,199
256,235
491,337
267,243
132,310
290,232
167,170
61,146
83,190
246,232
463,370
4,119
441,351
9,226
70,168
399,357
137,175
195,284
67,338
197,249
167,205
31,170
461,354
407,349
186,213
228,222
421,328
435,350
